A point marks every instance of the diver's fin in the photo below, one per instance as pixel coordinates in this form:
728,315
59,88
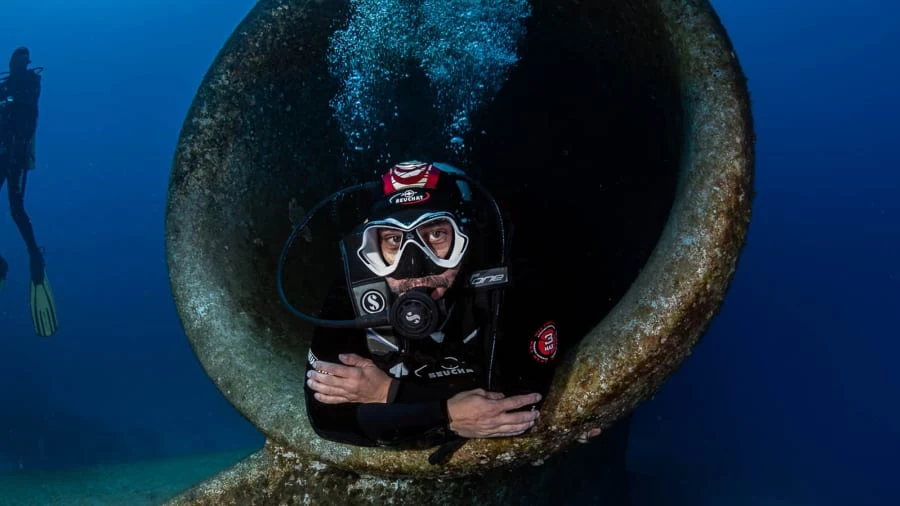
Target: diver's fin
43,309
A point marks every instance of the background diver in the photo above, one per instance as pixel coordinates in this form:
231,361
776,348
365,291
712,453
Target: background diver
19,93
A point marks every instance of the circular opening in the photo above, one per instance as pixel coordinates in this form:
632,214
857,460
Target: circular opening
583,144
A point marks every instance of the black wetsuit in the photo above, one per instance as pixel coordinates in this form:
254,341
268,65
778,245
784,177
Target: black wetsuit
18,125
429,372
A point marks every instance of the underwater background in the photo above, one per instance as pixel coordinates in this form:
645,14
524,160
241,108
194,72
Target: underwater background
790,398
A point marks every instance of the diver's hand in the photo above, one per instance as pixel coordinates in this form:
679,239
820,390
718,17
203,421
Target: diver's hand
360,380
481,414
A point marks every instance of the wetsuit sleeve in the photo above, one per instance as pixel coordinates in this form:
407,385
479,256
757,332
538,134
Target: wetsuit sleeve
394,424
531,337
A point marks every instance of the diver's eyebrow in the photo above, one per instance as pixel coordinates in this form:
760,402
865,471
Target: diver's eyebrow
439,224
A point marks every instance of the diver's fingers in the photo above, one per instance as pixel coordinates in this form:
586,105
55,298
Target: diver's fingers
518,401
320,387
328,379
330,399
349,383
354,360
336,369
494,395
517,417
512,430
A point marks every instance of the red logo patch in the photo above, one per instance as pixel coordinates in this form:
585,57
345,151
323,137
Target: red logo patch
544,343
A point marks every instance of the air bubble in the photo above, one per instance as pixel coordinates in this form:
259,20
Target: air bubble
466,58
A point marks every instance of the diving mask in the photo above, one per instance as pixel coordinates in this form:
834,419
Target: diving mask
393,247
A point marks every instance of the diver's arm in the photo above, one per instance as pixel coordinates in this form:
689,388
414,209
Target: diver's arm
471,414
533,334
400,422
423,412
420,411
365,424
369,424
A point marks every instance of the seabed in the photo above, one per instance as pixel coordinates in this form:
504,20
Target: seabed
141,483
153,482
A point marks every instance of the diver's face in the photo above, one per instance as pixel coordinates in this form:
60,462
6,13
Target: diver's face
438,236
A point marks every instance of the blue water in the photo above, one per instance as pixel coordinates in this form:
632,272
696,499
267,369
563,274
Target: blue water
790,397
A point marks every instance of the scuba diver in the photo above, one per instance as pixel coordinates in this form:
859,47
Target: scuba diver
436,349
19,93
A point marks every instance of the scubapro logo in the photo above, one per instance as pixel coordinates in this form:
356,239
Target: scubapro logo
413,318
411,196
373,302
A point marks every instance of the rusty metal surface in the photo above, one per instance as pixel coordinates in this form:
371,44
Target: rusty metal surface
256,358
277,475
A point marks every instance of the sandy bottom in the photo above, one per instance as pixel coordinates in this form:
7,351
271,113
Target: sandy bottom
134,484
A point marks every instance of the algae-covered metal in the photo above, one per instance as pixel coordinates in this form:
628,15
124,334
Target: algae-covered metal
665,104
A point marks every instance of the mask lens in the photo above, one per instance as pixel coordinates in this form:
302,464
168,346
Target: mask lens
437,235
390,242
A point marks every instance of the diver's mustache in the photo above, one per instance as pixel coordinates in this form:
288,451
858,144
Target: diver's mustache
433,281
